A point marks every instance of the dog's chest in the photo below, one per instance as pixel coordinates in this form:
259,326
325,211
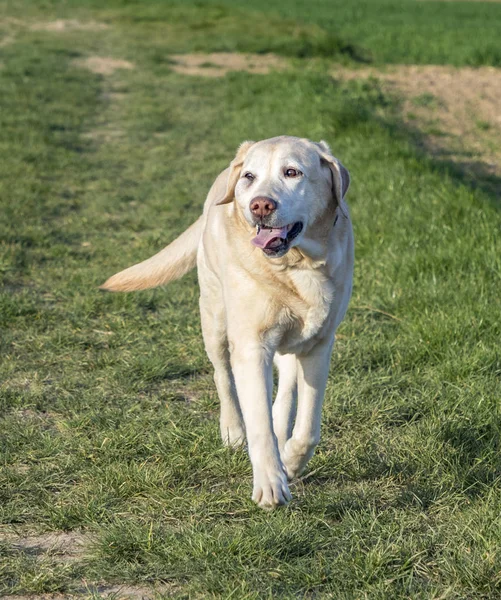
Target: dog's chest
308,310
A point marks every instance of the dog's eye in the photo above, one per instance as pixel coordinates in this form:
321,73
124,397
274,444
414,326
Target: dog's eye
292,173
249,176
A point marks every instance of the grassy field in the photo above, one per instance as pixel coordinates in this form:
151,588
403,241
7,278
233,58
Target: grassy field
402,31
108,423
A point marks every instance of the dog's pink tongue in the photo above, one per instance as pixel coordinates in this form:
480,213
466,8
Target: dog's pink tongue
270,238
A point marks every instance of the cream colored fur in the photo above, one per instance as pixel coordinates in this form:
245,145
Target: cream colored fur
169,264
257,309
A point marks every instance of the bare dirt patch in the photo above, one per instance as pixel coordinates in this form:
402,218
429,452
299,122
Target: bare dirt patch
28,416
115,592
69,547
217,64
103,65
457,109
104,134
9,21
6,40
132,592
10,27
63,546
69,25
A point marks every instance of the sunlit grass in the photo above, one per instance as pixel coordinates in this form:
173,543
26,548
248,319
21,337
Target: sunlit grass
109,413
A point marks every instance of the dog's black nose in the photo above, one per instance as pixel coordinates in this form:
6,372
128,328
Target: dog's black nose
261,206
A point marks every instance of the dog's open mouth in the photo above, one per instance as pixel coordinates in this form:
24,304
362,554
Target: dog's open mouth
274,241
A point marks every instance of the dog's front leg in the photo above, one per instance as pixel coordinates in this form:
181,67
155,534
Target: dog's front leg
252,370
313,370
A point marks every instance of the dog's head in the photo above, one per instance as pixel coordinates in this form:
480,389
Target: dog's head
283,187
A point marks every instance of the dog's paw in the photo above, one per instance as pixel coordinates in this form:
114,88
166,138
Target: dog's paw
271,490
295,456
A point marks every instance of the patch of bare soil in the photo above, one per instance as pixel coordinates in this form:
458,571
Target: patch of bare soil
458,110
63,546
69,25
6,21
132,592
103,134
218,64
102,64
12,26
6,40
68,547
114,592
8,27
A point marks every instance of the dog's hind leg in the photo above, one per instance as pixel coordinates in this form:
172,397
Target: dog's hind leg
284,407
216,345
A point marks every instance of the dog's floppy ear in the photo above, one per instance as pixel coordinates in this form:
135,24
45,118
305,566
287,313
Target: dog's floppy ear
339,173
235,166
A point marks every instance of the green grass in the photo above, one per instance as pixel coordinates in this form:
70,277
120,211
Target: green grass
380,31
402,31
108,411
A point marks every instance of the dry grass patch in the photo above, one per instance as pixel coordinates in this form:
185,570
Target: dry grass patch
103,65
63,546
132,592
70,547
114,592
13,26
69,25
8,28
217,64
104,134
6,40
457,109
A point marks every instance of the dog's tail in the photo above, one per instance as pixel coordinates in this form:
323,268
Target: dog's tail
171,263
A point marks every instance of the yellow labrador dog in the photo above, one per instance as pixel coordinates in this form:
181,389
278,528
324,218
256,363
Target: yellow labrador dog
274,249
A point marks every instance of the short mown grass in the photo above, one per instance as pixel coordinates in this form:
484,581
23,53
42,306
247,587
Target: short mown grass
108,410
399,31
